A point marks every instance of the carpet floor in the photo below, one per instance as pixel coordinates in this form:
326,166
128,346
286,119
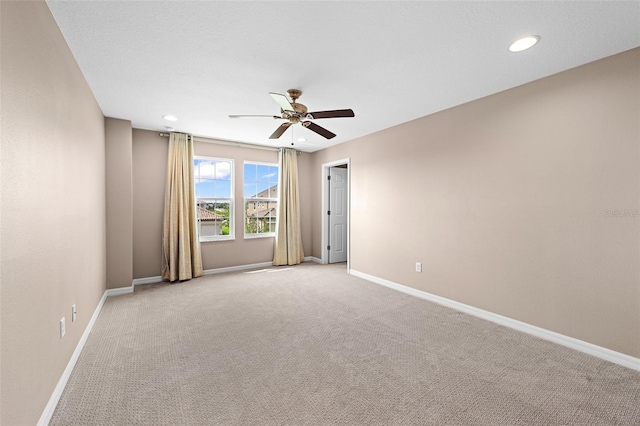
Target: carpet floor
311,345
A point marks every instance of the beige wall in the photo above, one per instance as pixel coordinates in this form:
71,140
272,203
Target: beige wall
504,201
119,202
305,179
52,229
149,178
149,174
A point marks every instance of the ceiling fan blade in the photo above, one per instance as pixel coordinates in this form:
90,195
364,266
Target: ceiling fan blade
256,116
280,130
283,101
331,114
319,130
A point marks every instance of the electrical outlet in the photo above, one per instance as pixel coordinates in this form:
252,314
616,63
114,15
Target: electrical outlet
73,313
418,267
62,328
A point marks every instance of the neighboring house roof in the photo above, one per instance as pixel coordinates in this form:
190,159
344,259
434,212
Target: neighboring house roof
204,214
265,193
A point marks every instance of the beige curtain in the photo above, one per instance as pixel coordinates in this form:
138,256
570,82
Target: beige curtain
288,243
181,255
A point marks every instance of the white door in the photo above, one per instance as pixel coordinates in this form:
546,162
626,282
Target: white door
337,212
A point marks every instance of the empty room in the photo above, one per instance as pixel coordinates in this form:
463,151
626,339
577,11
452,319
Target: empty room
319,213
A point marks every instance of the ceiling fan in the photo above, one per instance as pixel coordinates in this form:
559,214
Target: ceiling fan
296,113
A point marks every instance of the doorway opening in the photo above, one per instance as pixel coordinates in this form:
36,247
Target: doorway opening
336,211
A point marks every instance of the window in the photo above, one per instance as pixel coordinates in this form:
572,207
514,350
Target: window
260,199
214,198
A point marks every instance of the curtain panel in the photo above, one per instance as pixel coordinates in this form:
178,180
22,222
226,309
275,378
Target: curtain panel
181,255
288,242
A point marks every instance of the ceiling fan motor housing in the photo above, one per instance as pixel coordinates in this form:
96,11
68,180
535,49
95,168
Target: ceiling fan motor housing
300,110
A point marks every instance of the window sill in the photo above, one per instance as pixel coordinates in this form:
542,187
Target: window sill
255,236
214,239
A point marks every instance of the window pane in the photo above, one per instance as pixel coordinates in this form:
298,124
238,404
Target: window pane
250,172
209,220
273,174
222,208
251,226
263,190
260,216
206,169
208,229
263,172
208,173
250,209
250,189
223,170
223,188
205,188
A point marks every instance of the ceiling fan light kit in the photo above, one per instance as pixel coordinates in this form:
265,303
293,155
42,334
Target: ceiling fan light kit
296,113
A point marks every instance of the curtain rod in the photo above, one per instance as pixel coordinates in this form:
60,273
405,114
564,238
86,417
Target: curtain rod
217,141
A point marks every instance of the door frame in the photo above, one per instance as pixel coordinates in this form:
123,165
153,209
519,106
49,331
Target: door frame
325,206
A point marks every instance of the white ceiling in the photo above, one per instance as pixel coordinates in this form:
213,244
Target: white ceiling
390,62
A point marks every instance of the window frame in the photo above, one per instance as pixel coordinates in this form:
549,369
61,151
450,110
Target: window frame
231,200
257,200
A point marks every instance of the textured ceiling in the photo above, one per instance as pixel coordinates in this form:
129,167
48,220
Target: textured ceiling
390,62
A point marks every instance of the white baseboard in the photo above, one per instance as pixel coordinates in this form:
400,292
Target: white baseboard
251,266
148,280
561,339
118,291
152,280
237,268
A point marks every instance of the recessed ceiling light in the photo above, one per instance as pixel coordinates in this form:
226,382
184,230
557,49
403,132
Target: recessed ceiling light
302,140
169,128
169,118
524,43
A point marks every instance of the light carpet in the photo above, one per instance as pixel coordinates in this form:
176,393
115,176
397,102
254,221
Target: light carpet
312,345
